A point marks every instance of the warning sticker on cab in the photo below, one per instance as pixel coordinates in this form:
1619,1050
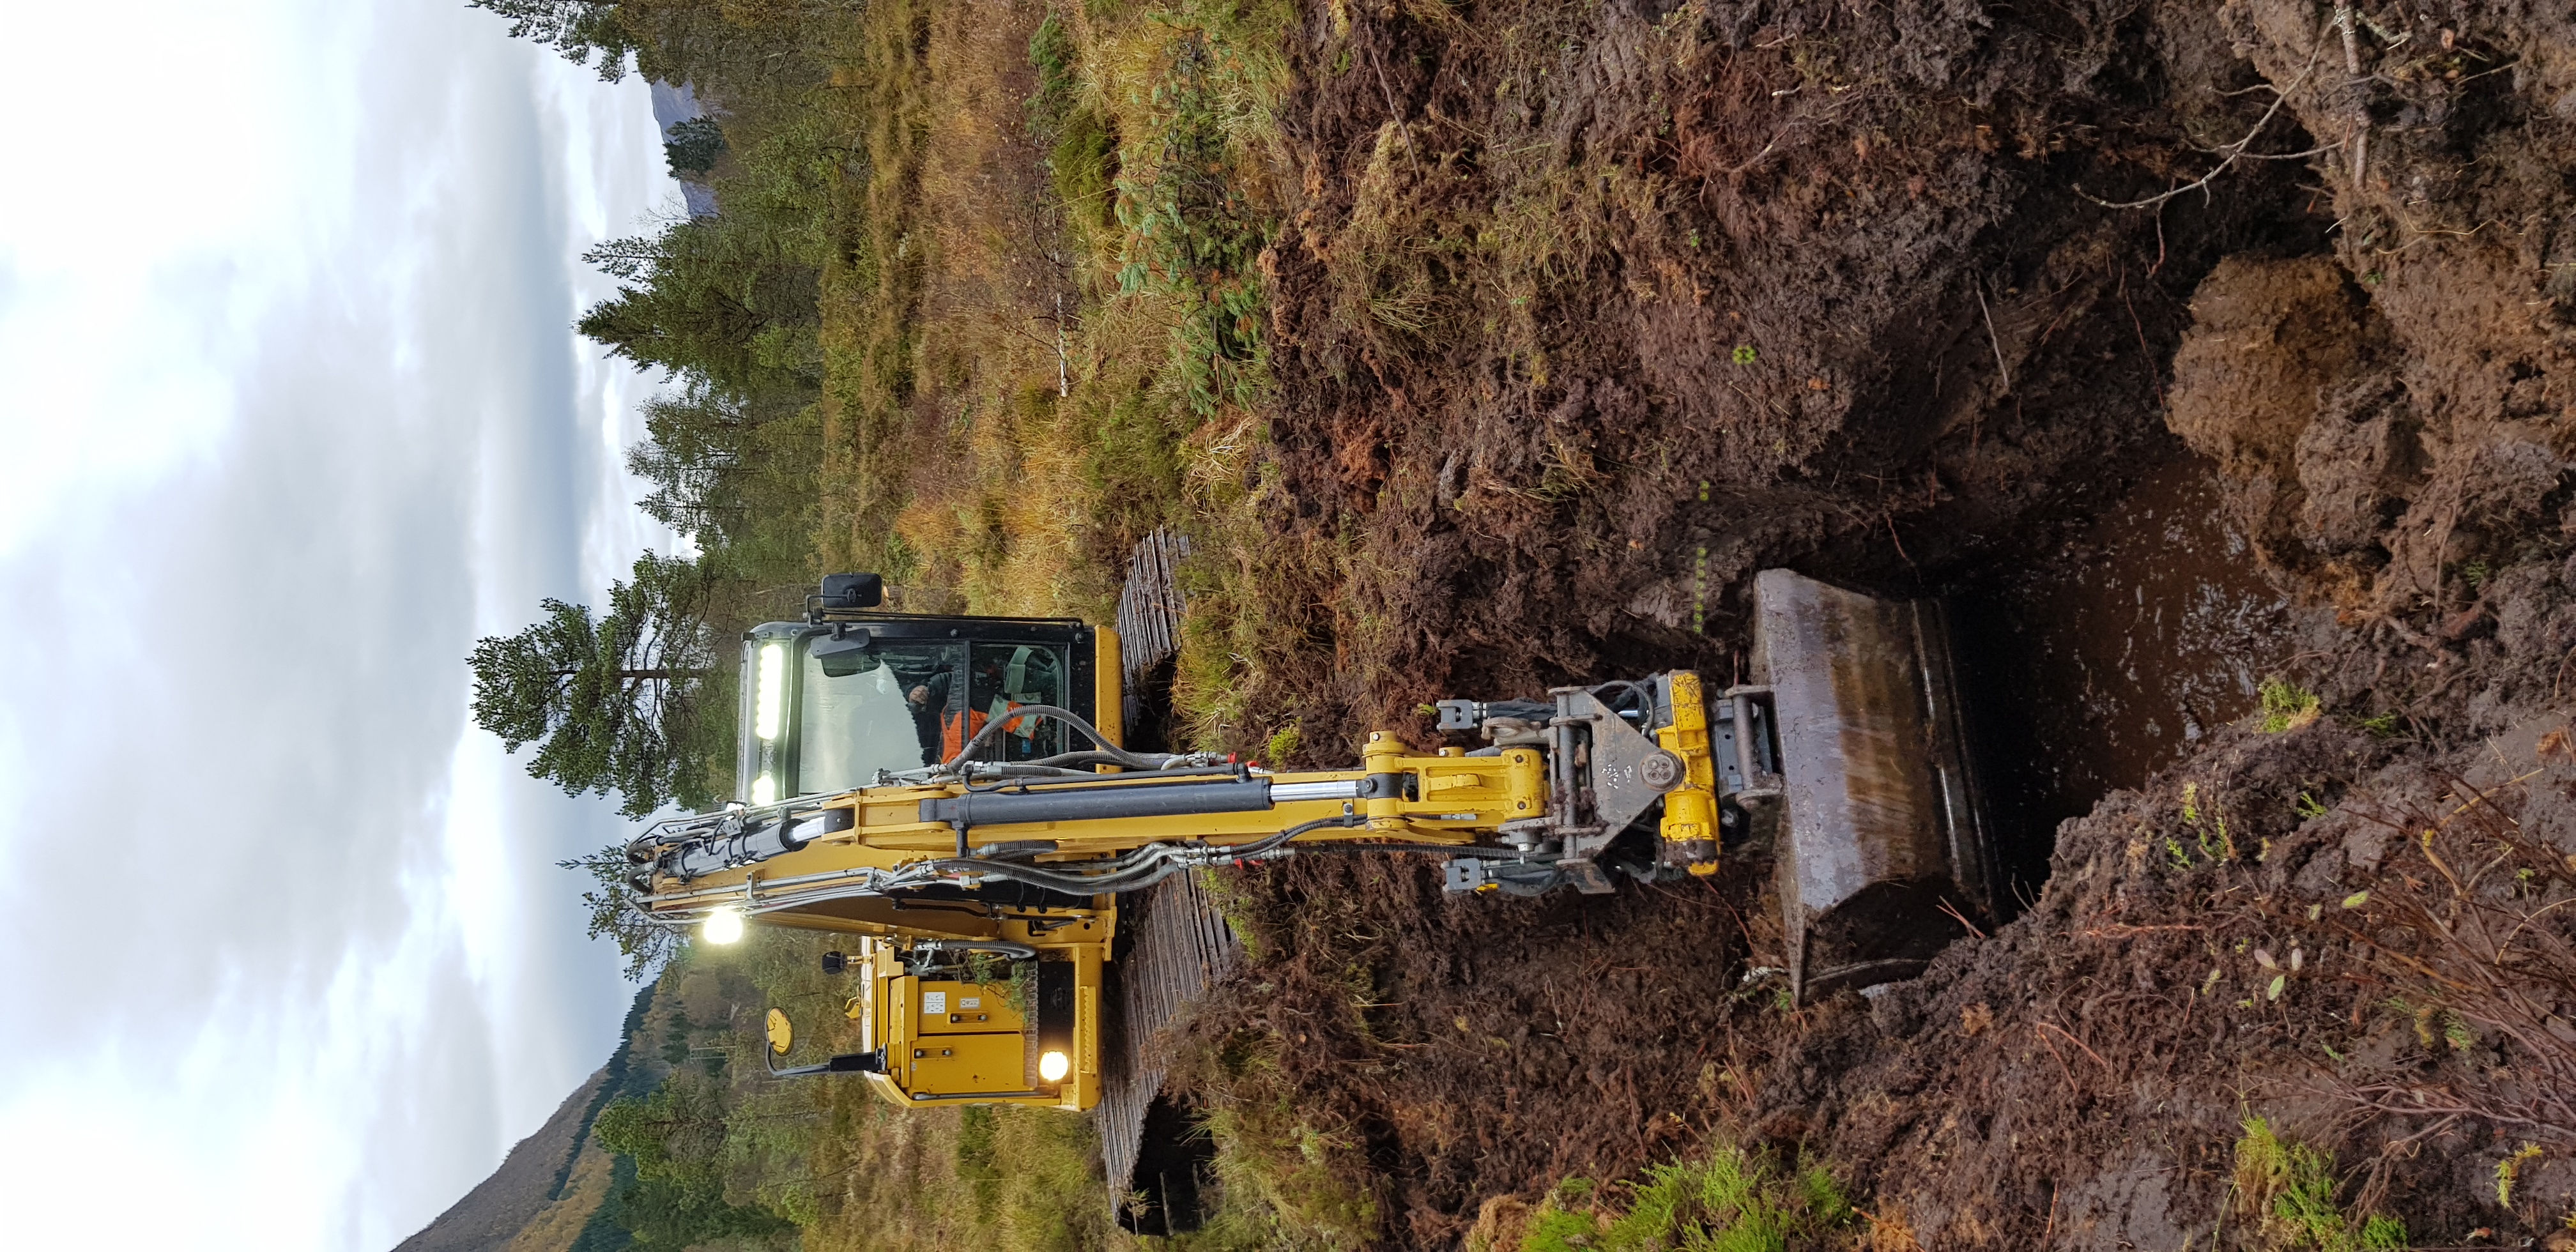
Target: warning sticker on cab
934,1004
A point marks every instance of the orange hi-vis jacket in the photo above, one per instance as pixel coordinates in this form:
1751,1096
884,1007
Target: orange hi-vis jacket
956,728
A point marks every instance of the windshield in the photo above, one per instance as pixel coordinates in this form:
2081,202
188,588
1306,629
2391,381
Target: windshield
860,712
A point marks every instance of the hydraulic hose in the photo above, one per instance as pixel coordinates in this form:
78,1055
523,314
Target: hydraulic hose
992,728
1004,947
1143,868
1136,870
1644,694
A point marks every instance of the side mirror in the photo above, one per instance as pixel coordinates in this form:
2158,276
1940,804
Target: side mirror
839,655
835,963
853,591
782,1036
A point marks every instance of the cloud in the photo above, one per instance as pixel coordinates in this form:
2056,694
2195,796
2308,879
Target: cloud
289,414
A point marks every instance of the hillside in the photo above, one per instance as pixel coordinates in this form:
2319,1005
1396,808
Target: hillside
529,1182
553,1181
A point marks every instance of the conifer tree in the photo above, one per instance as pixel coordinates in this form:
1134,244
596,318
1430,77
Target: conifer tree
575,28
611,702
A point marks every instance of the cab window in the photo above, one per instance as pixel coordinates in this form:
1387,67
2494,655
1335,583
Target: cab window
1005,676
859,712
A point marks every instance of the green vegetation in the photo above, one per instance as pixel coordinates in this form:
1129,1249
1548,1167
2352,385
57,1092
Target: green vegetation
614,703
711,1152
2509,1168
1731,1201
979,286
1292,1183
694,146
1190,231
2286,706
614,916
2288,1189
670,1142
2209,833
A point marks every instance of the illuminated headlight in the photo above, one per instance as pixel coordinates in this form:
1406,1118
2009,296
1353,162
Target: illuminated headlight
723,926
773,680
764,790
1054,1066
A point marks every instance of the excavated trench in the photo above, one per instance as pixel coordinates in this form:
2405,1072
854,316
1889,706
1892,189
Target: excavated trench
2123,642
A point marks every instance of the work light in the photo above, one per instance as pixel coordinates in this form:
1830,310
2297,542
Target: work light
765,705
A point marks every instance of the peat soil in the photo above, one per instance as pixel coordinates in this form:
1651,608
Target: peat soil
1585,313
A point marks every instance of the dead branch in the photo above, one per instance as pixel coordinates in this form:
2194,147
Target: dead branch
2487,950
2235,151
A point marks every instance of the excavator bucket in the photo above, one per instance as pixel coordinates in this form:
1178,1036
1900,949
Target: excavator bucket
1883,856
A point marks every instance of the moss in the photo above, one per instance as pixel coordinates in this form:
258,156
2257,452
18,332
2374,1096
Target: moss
2289,1190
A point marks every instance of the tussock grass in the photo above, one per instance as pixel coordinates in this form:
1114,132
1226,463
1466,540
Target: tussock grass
1727,1201
1288,1183
2286,706
1044,287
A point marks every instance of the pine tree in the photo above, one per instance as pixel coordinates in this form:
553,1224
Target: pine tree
693,147
610,703
615,915
575,28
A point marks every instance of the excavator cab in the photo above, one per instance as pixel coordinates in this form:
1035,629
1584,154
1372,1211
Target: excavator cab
852,693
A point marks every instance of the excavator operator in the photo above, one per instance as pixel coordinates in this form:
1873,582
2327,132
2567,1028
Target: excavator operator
999,679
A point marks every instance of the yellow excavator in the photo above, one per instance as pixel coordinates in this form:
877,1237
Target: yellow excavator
954,793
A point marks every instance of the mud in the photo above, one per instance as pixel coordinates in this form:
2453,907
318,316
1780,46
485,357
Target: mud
2134,636
1621,309
1585,314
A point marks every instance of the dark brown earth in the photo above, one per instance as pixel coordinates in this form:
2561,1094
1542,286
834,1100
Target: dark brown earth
1586,313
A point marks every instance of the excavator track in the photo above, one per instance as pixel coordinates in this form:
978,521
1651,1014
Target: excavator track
1183,947
1181,944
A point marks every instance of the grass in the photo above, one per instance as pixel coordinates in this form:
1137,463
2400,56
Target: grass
851,1171
848,1169
1728,1201
1038,336
2286,706
1015,382
1289,1182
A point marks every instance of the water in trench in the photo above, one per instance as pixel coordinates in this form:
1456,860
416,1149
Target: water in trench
2108,652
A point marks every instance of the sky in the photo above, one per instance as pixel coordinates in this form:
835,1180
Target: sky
290,414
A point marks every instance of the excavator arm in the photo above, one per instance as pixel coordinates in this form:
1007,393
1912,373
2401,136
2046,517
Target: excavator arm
957,870
1559,784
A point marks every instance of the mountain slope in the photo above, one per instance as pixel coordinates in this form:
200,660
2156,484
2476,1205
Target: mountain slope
499,1207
